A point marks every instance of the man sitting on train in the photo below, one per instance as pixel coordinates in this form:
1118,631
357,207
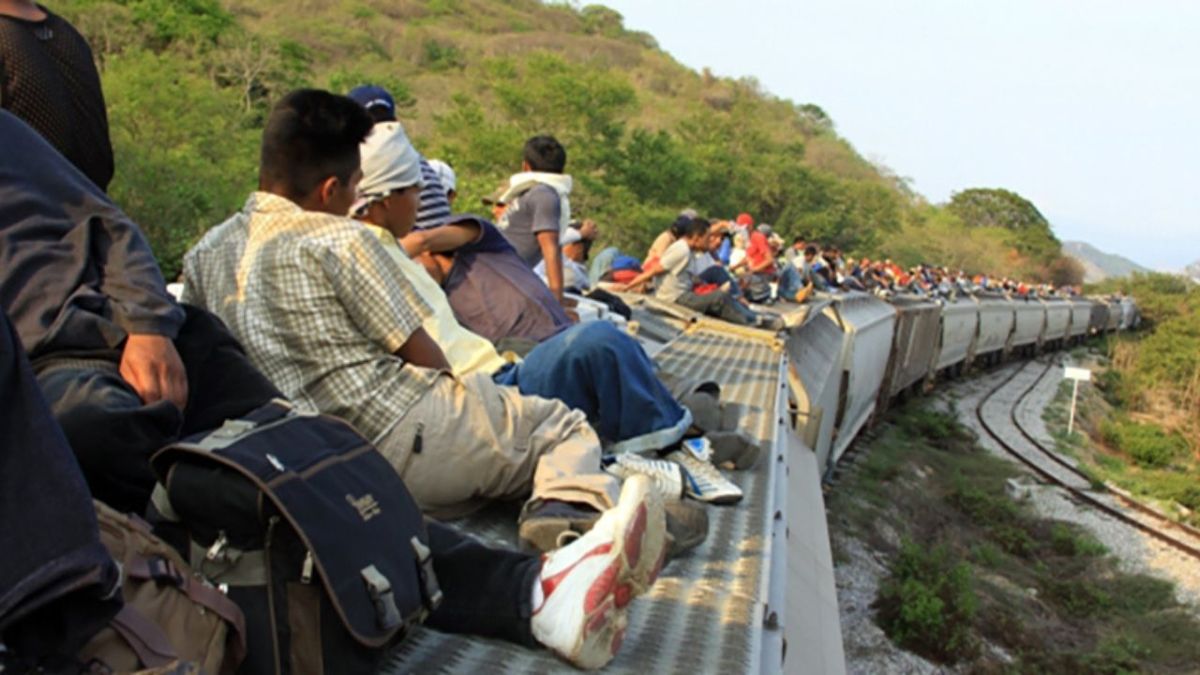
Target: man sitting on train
125,368
676,282
593,367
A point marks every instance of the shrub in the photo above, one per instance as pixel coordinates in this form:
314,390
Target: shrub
1076,597
928,603
439,56
1115,655
1147,444
930,424
1066,541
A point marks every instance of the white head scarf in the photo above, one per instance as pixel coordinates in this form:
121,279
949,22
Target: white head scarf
389,162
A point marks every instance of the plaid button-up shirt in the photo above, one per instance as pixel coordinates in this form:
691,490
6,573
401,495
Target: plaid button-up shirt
319,306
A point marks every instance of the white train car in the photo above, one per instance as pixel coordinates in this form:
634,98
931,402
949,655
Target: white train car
869,324
1058,321
815,347
1129,314
1099,320
1115,315
1081,316
838,358
914,346
960,328
996,322
1028,327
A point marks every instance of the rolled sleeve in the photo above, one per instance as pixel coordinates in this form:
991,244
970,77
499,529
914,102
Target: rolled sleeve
372,288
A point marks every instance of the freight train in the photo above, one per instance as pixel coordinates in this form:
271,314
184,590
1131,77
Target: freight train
759,595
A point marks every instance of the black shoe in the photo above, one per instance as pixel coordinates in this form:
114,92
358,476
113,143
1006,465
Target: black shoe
548,524
770,322
687,526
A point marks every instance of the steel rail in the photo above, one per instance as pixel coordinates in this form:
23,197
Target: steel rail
1079,494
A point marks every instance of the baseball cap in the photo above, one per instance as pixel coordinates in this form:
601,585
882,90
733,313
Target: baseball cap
744,219
371,95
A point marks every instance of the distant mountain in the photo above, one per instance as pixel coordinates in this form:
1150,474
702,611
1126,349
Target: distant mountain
1098,265
1193,271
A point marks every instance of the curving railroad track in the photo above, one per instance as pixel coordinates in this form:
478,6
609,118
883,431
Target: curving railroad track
1002,417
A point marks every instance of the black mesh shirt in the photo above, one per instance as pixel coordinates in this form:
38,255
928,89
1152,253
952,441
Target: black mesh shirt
48,79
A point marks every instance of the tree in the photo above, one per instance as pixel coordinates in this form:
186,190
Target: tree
984,207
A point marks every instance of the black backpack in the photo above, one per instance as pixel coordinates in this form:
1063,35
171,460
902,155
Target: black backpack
309,530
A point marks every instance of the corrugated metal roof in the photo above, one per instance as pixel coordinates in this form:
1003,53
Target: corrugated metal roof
705,612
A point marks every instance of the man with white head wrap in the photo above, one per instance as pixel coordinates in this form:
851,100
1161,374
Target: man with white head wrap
591,367
322,305
332,321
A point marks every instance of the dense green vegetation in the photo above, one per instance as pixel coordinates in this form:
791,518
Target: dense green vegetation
1156,370
928,603
977,579
1143,417
189,82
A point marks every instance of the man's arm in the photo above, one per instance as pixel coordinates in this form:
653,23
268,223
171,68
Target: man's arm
552,255
652,270
380,299
130,276
444,239
767,261
421,350
142,306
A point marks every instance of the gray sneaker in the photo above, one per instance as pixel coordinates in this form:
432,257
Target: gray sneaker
668,477
702,481
734,447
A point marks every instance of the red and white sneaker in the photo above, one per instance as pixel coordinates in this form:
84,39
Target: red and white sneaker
587,585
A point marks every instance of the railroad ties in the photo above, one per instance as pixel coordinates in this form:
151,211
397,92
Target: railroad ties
998,413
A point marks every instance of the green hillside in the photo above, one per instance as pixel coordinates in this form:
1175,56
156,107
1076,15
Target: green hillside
189,82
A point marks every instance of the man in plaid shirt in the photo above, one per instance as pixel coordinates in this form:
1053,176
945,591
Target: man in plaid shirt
323,310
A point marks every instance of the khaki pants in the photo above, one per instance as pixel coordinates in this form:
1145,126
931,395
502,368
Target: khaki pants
469,441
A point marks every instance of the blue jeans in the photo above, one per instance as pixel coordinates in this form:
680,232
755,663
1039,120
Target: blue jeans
721,305
720,276
596,368
791,282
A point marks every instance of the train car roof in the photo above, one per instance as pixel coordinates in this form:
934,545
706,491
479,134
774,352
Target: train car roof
762,579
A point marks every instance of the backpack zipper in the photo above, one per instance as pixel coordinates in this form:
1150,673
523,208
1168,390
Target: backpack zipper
270,593
306,571
218,547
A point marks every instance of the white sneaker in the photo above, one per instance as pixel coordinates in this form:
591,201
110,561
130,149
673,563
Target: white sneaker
587,585
702,480
667,476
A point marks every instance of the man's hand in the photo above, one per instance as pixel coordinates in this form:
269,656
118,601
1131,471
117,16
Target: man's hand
150,364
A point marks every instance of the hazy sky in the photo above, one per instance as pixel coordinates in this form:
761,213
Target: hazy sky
1089,108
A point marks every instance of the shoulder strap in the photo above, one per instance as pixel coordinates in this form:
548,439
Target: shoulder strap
161,570
146,639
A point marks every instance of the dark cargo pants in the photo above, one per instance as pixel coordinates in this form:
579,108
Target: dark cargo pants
113,433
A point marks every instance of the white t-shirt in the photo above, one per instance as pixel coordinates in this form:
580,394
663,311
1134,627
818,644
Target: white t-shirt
701,262
677,261
466,351
574,274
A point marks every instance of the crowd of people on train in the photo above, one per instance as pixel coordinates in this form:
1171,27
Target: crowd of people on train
350,284
736,259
